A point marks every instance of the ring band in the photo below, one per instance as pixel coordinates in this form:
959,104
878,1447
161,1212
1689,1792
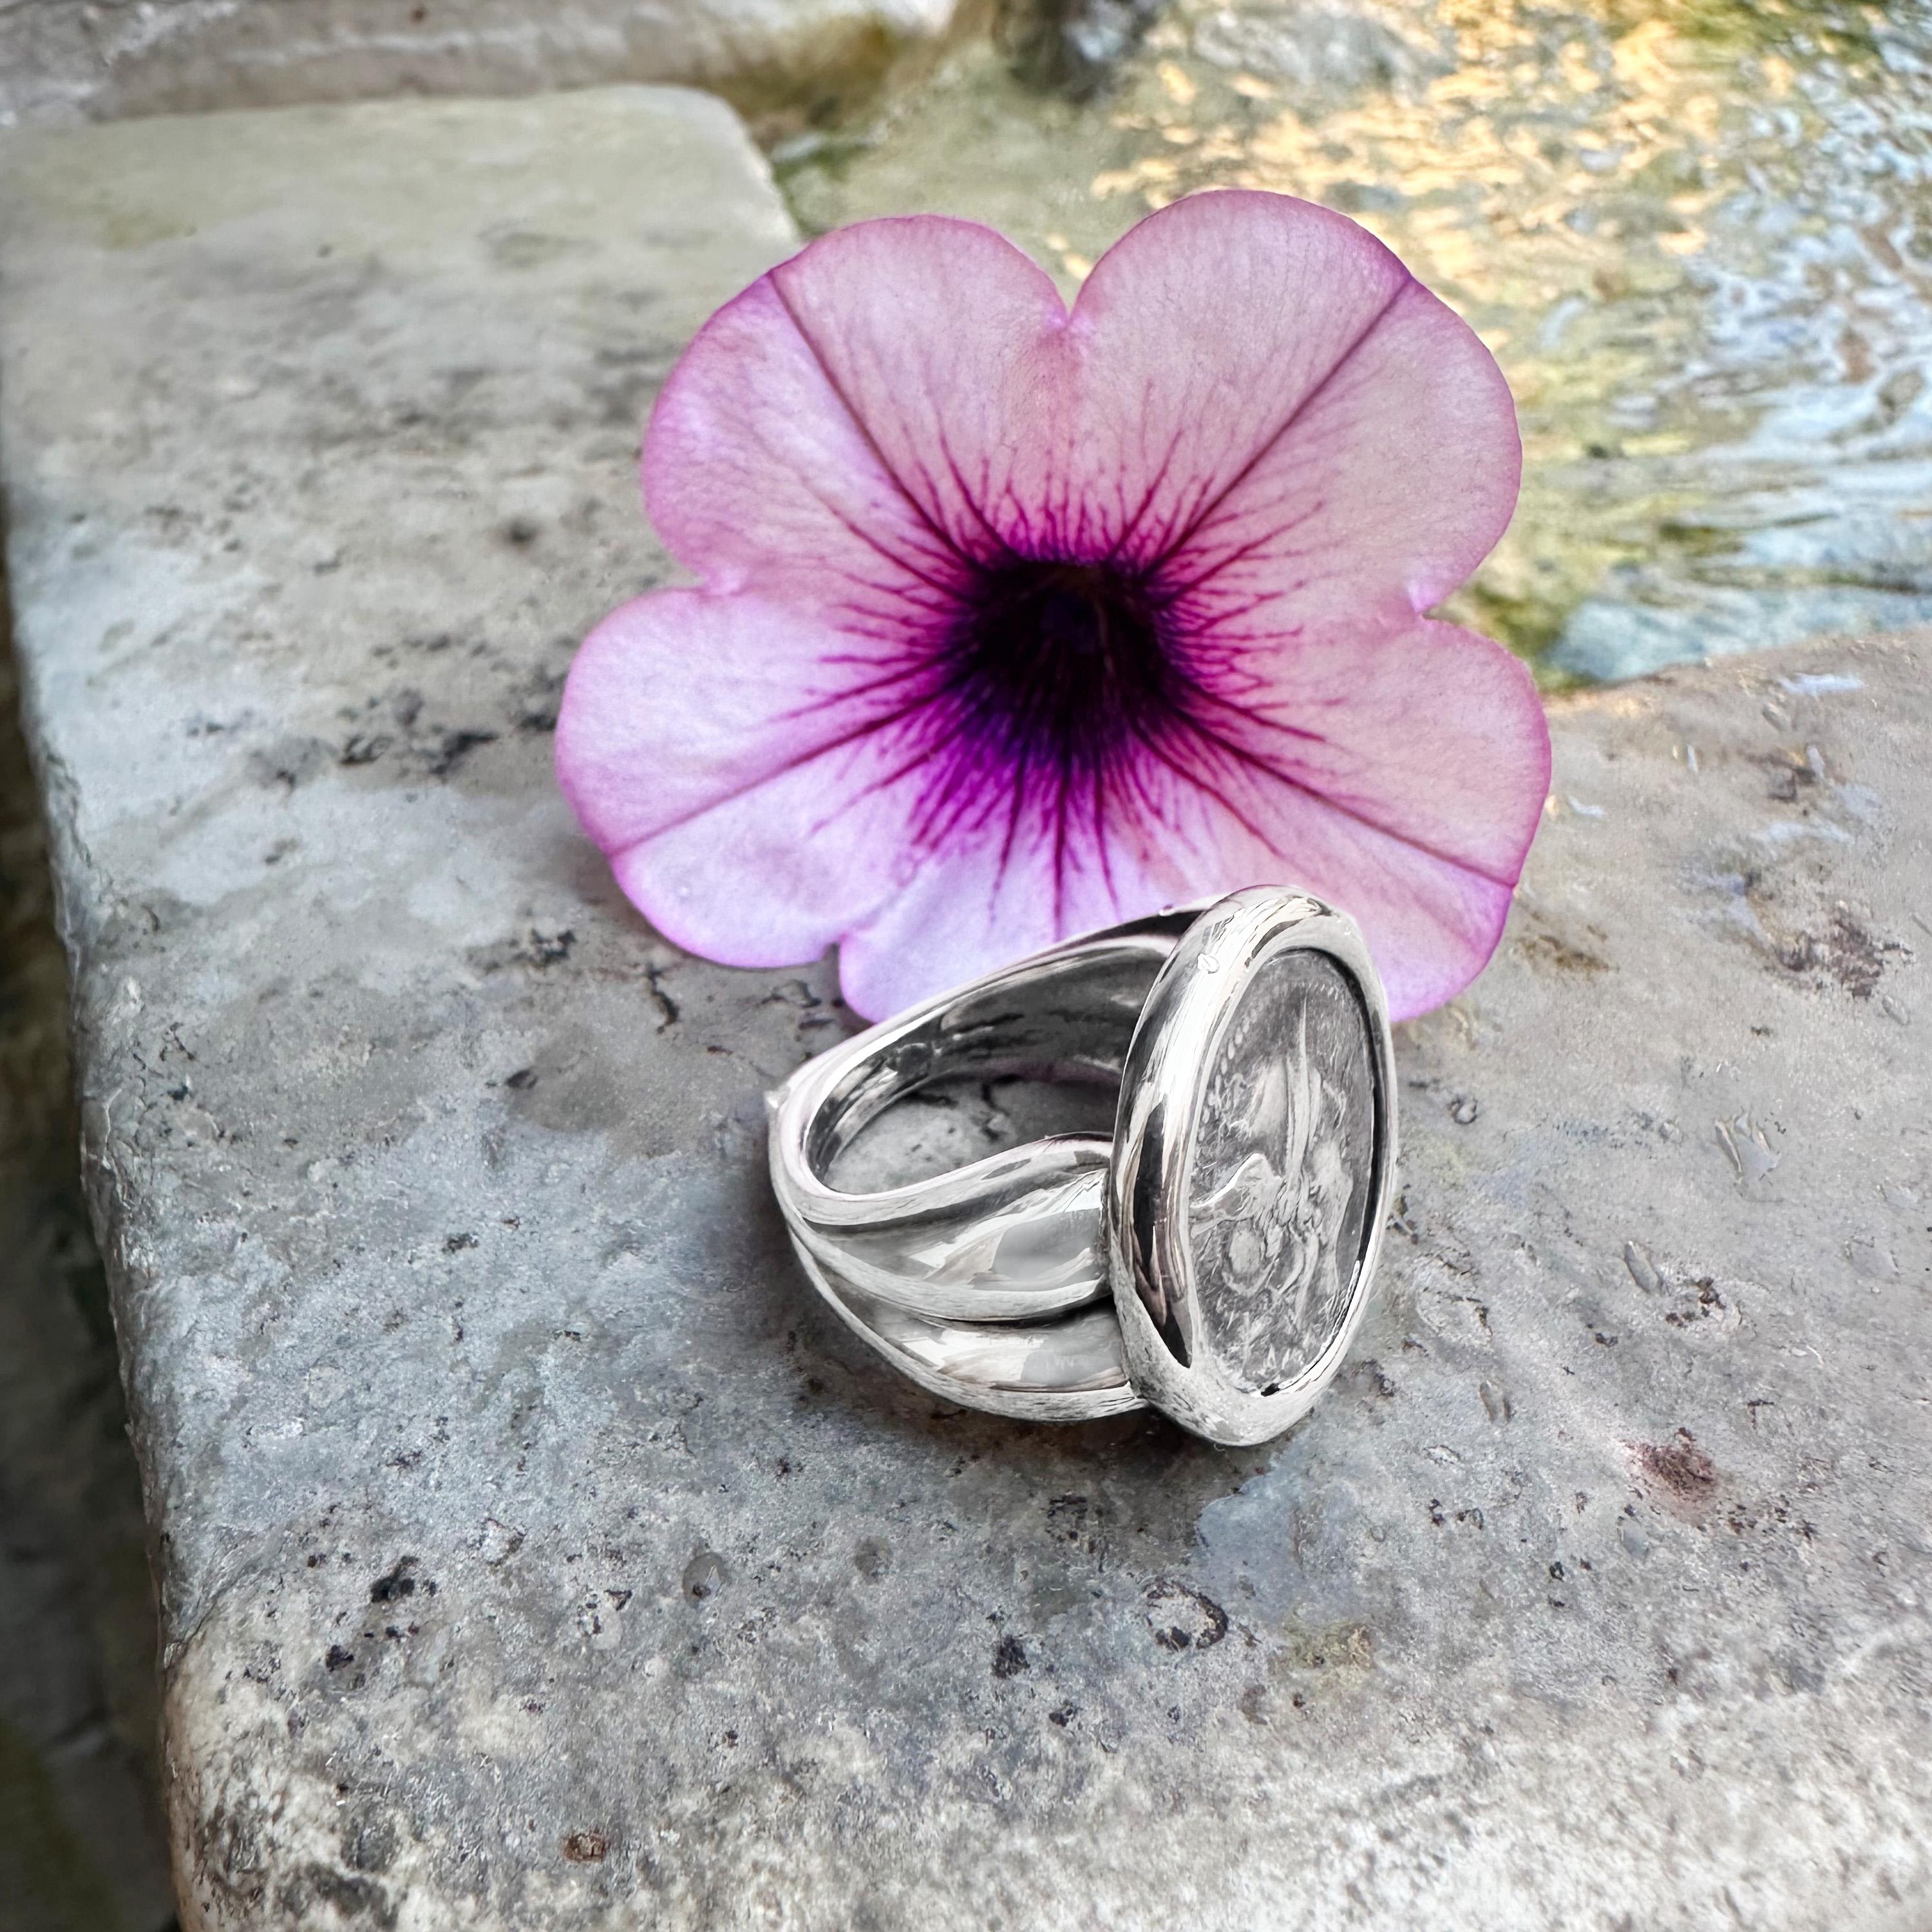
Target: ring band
1211,1260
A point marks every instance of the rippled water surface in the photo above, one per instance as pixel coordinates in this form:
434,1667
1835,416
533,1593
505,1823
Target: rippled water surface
1697,234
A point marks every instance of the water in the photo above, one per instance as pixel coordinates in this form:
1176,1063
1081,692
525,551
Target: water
1697,233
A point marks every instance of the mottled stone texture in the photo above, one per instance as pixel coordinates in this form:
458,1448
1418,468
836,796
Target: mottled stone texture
66,59
535,1553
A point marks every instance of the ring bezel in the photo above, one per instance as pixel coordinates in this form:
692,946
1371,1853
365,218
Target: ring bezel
1163,1086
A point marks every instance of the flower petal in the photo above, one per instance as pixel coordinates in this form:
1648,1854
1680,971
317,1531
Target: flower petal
1401,776
773,875
948,343
725,754
1431,925
989,899
836,438
1431,734
758,479
1333,437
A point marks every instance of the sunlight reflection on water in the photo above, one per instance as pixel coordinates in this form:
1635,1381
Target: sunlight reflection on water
1697,233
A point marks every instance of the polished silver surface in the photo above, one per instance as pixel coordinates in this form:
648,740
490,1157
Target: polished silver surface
1068,1368
1211,1259
1253,1155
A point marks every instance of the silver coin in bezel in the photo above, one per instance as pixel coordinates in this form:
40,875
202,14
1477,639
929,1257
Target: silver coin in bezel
1252,1163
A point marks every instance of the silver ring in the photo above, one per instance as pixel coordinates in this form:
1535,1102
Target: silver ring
1211,1260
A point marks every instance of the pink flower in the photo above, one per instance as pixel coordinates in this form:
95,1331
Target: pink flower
1013,621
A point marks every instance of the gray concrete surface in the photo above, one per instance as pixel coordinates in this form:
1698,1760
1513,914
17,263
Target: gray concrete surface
533,1551
82,59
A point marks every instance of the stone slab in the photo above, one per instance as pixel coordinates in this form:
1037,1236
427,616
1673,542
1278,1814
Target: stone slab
74,59
533,1550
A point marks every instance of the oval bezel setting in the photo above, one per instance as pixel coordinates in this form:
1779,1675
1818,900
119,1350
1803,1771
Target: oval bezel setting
1152,1265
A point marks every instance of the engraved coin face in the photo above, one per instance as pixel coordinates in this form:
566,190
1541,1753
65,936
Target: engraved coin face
1283,1172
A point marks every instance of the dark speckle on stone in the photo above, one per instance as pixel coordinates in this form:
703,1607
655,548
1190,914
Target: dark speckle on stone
665,1006
586,1848
1009,1656
1544,948
395,1585
1844,953
1373,1379
351,1900
1068,1513
705,1575
1790,775
363,747
369,1844
1679,1467
288,762
337,1657
1182,1618
547,949
451,747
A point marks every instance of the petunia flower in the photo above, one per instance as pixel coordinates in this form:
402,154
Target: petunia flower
1013,621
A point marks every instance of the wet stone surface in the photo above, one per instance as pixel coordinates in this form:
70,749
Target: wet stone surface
535,1550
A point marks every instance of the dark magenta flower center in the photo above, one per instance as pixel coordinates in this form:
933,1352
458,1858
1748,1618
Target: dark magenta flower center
1062,667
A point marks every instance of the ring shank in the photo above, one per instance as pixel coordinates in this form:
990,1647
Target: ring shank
1068,1015
926,1272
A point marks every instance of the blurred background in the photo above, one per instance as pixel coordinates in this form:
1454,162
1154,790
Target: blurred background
1697,233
